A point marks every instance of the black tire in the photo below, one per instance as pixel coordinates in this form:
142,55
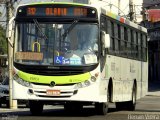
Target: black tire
7,105
68,107
36,107
128,105
27,104
73,107
131,105
101,108
120,106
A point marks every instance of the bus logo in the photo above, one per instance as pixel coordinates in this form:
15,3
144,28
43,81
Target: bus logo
52,84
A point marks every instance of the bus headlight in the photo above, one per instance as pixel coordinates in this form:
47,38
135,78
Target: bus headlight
21,81
79,85
93,79
83,84
87,83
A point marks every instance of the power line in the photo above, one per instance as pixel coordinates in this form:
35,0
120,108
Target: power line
131,10
109,4
125,7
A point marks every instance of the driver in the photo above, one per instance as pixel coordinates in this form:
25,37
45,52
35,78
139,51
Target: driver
73,50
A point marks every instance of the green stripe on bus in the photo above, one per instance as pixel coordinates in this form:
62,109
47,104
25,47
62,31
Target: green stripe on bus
57,79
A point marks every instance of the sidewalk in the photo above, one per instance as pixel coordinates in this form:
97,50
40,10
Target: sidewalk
155,93
8,110
4,109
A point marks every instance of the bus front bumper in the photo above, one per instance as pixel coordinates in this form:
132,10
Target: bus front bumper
93,93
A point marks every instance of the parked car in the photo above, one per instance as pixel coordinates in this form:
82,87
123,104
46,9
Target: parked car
4,92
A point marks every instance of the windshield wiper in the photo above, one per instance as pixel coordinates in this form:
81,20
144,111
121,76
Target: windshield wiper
39,28
69,29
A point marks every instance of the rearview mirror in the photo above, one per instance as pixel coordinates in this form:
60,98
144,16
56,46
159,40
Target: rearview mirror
107,41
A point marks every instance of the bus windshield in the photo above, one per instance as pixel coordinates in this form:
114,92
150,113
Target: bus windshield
39,43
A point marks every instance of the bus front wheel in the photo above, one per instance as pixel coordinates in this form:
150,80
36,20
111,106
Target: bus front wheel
36,107
72,107
101,108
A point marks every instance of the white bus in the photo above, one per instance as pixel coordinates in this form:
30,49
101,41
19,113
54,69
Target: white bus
75,55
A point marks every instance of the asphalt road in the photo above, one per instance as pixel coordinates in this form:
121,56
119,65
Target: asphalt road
148,108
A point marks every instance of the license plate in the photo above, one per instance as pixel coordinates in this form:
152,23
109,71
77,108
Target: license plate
53,92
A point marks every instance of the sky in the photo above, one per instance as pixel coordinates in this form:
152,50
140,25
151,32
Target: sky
124,7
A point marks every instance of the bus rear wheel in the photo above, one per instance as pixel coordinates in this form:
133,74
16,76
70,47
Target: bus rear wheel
36,107
131,105
128,105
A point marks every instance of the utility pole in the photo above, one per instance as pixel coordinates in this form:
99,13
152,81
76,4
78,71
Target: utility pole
131,10
8,14
12,103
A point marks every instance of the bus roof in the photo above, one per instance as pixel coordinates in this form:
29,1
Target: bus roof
40,3
104,11
123,20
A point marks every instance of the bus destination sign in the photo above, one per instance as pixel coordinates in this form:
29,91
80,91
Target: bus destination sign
57,11
32,11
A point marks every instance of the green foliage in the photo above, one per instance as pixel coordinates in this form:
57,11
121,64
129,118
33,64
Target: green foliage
3,42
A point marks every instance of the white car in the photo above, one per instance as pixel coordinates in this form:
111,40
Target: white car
4,92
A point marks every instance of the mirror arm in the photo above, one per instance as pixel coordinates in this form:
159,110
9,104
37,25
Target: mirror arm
9,32
9,41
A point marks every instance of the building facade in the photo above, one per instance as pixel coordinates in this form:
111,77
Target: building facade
152,22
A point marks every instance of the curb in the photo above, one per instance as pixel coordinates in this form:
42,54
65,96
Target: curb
153,94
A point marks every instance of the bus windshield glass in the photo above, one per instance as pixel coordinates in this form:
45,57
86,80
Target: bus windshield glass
64,44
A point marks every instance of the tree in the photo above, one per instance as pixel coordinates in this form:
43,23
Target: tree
3,42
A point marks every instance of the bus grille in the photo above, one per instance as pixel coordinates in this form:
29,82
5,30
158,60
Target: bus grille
63,94
47,84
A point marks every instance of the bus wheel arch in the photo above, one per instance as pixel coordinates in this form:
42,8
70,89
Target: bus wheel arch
129,105
135,86
110,89
102,108
132,103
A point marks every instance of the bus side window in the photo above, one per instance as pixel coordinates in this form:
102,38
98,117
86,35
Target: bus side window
122,41
129,44
134,45
109,30
125,42
112,50
116,40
